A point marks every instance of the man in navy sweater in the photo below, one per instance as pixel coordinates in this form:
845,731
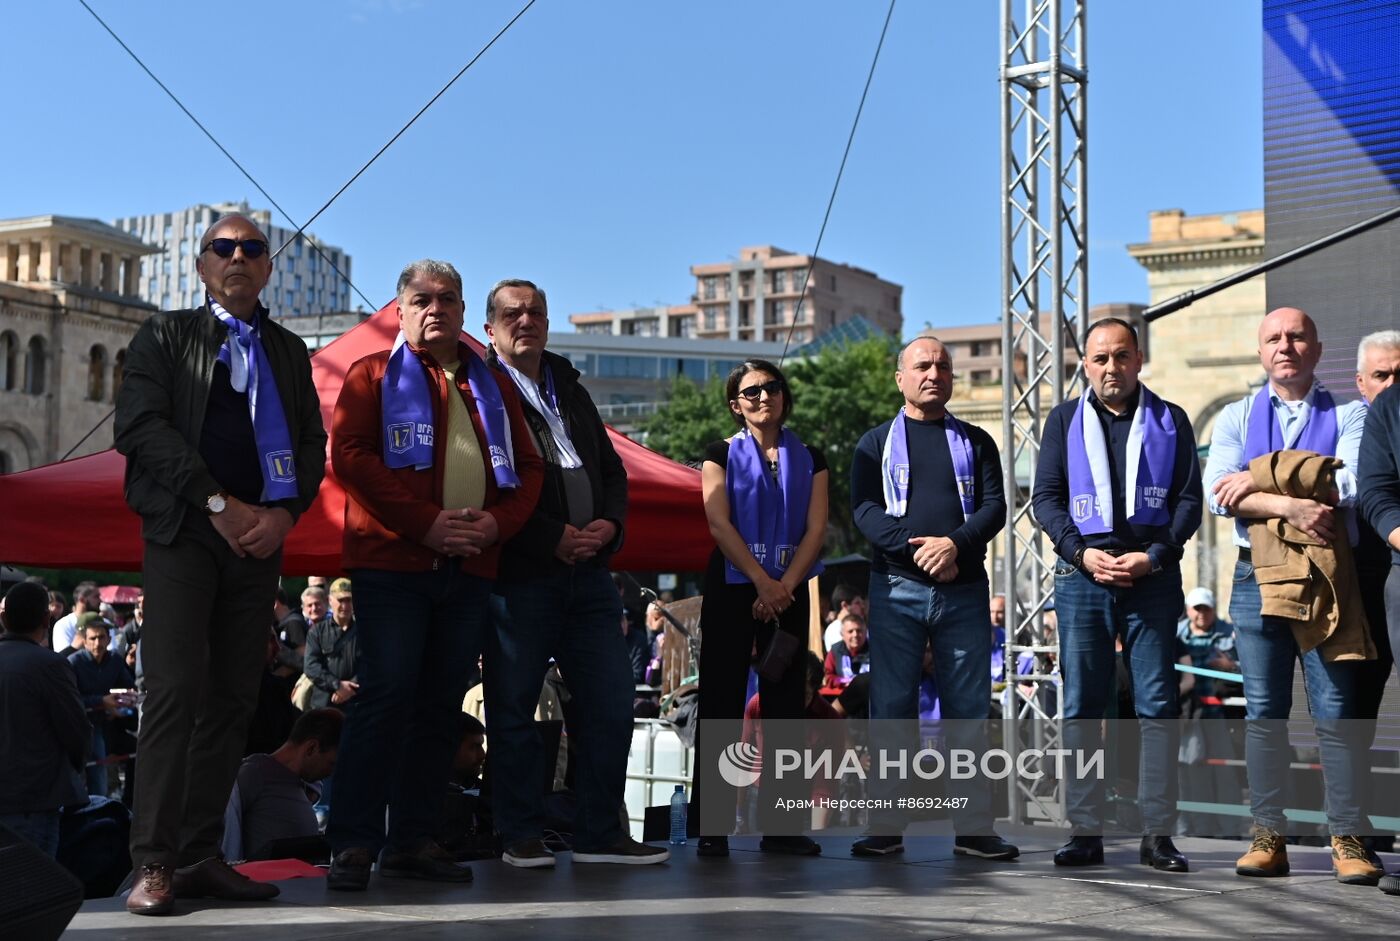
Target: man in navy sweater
1120,543
926,491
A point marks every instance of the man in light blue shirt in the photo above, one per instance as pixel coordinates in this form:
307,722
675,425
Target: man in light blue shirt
1305,417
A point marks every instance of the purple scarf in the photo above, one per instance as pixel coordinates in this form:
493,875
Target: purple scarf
770,515
252,374
1151,457
407,407
894,465
1319,432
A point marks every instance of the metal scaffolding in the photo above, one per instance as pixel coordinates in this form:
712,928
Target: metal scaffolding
1044,264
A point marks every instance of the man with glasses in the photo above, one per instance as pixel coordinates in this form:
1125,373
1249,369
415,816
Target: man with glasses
221,428
554,598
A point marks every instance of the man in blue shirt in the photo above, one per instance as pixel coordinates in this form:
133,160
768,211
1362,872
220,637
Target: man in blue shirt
1304,417
1118,491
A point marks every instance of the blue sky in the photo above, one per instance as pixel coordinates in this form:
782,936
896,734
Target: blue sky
603,146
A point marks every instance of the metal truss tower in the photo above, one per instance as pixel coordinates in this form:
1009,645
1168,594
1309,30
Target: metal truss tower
1044,264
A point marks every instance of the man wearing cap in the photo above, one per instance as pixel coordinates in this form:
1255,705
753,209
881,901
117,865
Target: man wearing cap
1204,641
221,429
555,599
1118,490
330,651
1291,412
438,471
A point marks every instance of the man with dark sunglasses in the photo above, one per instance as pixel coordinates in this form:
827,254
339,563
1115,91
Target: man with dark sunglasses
221,428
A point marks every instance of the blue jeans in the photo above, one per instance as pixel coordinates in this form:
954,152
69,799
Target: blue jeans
1267,654
574,616
955,619
1091,617
419,633
40,828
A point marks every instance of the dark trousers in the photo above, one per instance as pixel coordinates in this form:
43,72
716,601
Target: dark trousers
574,616
729,635
1143,617
419,633
1371,682
203,644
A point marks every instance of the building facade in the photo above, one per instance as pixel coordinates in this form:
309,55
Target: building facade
304,282
628,376
762,297
68,309
1206,355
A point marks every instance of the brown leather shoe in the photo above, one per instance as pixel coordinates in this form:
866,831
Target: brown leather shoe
1267,856
153,893
1352,864
213,878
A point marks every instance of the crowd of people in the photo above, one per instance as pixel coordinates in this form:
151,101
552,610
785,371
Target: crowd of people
484,501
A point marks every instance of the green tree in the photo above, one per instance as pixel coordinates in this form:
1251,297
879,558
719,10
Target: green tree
691,417
839,395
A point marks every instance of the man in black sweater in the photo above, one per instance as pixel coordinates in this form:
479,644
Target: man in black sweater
926,490
554,597
1378,483
44,738
1119,575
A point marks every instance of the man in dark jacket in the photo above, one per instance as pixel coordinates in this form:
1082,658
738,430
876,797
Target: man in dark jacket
99,672
554,598
330,651
45,735
221,429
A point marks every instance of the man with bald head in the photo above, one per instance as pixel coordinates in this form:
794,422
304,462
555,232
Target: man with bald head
1291,411
926,490
1118,490
221,428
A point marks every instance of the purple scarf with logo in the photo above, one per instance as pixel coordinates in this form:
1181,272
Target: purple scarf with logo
770,515
894,465
1319,432
1151,459
407,411
252,374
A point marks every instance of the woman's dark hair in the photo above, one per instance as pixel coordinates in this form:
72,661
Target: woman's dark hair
736,375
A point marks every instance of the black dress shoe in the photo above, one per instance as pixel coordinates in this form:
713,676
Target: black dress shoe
1080,851
716,846
1160,853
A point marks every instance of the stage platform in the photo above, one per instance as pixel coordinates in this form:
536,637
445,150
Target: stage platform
925,893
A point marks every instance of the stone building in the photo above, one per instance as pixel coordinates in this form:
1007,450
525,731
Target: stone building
1207,355
68,308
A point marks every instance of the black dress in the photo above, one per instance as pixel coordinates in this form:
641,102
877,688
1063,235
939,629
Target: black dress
730,641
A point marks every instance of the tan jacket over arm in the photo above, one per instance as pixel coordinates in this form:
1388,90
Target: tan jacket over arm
1312,584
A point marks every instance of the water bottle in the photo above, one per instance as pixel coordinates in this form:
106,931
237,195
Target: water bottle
678,808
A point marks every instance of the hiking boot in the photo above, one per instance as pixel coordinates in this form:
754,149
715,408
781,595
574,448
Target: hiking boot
1267,856
1352,863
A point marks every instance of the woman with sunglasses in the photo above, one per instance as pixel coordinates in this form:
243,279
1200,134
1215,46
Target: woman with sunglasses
765,496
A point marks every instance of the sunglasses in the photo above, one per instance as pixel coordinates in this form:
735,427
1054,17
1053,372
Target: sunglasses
772,387
224,248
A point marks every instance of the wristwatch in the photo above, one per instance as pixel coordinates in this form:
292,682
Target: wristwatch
1078,560
216,503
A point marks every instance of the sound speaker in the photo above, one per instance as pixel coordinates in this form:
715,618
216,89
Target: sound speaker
38,897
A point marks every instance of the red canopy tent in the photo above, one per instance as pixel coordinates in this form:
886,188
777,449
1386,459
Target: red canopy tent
72,514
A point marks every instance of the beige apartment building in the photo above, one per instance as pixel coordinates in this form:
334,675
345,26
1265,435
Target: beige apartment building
69,306
755,298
